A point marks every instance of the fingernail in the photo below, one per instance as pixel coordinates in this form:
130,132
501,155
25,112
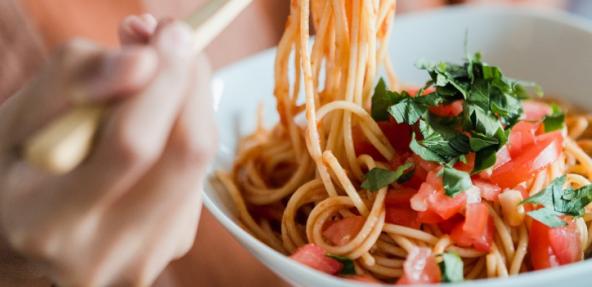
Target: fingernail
175,39
121,73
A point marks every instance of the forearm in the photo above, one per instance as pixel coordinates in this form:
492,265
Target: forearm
21,51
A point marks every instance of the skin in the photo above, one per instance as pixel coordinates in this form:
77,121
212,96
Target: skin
133,206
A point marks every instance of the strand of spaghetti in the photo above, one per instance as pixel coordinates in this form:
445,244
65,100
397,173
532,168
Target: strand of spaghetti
441,245
538,183
580,155
346,184
391,249
321,214
350,90
272,195
319,43
362,56
254,176
410,233
376,136
403,242
576,180
313,142
491,262
502,270
465,252
368,259
521,250
371,53
476,270
503,231
303,195
387,272
369,231
389,262
578,127
244,213
365,247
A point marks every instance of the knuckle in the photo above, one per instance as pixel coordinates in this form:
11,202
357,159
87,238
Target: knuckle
197,148
133,149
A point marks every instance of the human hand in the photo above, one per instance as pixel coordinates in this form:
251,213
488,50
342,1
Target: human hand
134,204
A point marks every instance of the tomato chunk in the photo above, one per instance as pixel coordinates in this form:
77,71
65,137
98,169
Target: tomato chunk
315,257
545,151
402,216
399,197
535,111
431,202
420,267
550,247
477,216
342,231
488,190
363,146
521,137
477,229
399,135
450,110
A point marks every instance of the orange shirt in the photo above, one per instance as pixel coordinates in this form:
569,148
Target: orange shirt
60,20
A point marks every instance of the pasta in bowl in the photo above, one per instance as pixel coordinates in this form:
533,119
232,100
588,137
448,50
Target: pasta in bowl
364,179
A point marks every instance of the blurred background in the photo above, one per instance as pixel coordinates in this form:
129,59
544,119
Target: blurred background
262,23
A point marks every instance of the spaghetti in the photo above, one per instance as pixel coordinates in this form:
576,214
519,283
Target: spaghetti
299,184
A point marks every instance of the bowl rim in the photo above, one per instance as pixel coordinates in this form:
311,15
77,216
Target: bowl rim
246,239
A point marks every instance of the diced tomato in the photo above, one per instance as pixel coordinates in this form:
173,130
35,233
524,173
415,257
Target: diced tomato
399,135
551,247
535,111
545,151
342,231
521,137
502,157
446,206
488,190
420,267
467,167
447,225
399,197
422,168
363,146
434,180
566,244
450,110
431,202
476,216
477,229
429,217
315,257
402,216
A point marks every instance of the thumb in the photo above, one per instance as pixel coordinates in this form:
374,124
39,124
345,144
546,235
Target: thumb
79,73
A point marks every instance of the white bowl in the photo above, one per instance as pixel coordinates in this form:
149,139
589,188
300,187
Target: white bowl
551,48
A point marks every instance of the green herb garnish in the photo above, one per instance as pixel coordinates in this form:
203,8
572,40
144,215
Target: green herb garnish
555,120
451,267
558,200
348,265
491,106
378,178
455,181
